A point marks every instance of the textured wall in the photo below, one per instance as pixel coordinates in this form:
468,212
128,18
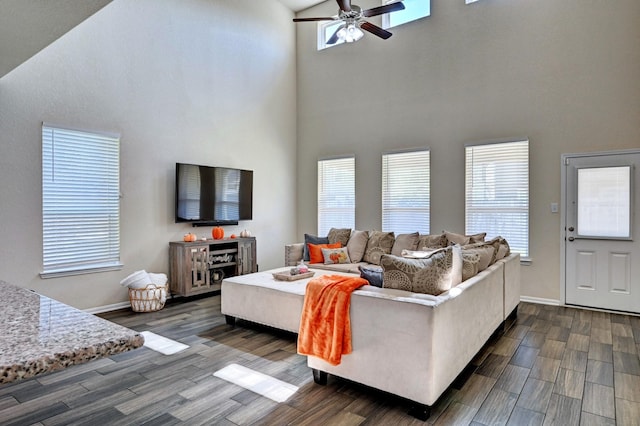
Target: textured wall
564,74
198,81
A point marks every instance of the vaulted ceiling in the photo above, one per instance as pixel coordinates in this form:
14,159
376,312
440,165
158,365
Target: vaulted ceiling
28,26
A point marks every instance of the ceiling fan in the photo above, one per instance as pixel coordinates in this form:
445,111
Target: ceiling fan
353,21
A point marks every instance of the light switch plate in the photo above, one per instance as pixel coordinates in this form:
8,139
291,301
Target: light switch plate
554,207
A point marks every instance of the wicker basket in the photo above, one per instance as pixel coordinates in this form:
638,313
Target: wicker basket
148,299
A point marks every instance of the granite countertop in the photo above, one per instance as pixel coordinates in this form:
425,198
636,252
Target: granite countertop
40,335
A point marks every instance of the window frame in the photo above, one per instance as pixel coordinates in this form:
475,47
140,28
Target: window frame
322,200
519,205
322,34
80,201
388,210
387,17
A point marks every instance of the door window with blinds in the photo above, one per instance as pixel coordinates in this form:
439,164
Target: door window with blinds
336,194
80,201
405,192
497,192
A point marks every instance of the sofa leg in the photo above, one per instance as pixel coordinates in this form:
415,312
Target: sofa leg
320,377
230,320
420,411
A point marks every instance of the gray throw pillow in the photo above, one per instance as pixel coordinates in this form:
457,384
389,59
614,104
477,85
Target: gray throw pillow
431,241
372,274
312,239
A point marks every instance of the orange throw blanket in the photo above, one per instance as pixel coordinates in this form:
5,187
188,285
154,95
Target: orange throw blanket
325,327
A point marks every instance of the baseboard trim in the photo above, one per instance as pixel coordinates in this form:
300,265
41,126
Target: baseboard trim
540,300
108,308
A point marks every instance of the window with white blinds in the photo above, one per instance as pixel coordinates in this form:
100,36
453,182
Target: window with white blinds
336,194
497,192
80,201
405,192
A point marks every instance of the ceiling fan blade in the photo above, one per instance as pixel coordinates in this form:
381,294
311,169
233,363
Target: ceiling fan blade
324,18
334,38
345,5
375,30
375,11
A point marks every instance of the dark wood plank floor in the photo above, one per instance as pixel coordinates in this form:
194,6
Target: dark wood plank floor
556,365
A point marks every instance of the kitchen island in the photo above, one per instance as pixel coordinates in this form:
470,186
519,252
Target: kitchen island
40,335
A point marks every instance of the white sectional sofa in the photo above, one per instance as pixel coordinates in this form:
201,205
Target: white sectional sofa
409,344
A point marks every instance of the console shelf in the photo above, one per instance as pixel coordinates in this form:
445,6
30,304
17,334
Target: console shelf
198,267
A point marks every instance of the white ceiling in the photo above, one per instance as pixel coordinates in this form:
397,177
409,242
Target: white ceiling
298,5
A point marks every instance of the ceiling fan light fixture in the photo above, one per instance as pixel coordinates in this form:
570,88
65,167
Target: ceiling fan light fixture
350,33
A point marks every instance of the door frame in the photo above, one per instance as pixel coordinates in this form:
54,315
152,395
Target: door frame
563,209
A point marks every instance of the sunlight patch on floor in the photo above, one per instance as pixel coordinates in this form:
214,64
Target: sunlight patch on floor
162,344
257,382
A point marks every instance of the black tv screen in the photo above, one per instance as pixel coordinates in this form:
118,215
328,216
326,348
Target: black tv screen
213,195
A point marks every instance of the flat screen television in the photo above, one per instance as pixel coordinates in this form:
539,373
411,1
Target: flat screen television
208,195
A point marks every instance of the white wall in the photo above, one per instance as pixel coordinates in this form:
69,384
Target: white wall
564,74
199,81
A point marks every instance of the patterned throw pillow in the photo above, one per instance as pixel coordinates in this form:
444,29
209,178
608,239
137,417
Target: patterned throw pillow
405,242
312,239
426,242
484,251
339,235
357,245
371,274
379,243
470,263
335,256
433,275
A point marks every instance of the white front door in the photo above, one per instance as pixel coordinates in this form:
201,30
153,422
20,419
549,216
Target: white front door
602,238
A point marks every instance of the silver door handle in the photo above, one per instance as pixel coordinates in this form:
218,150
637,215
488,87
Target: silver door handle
571,238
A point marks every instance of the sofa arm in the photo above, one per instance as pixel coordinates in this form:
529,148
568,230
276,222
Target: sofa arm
293,254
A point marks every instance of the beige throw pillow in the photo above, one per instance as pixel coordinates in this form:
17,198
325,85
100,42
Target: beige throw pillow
379,243
404,242
470,262
433,275
484,250
357,245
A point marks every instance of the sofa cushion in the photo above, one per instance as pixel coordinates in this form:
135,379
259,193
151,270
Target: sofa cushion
315,251
433,275
357,245
404,242
426,242
312,239
379,243
372,274
339,235
453,238
335,256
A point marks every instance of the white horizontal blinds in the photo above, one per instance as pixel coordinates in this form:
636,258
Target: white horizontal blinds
336,194
80,200
405,192
497,192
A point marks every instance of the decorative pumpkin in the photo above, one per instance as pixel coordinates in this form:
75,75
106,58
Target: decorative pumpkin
217,233
232,236
245,234
190,237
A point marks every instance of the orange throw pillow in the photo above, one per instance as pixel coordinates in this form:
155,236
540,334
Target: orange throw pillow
315,251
